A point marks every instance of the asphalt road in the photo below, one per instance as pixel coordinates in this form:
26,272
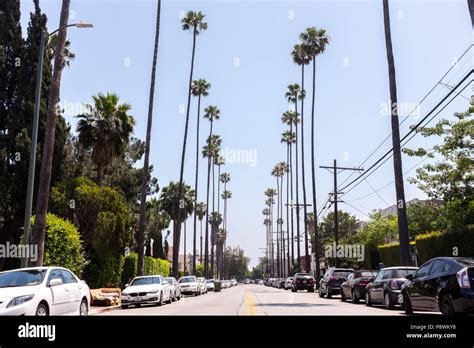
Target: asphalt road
257,300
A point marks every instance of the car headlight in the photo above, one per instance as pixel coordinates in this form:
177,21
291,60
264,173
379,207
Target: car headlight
153,292
19,300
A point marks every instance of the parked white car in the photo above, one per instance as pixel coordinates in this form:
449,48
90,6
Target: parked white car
152,289
234,282
175,288
202,285
189,285
288,283
43,291
224,284
210,285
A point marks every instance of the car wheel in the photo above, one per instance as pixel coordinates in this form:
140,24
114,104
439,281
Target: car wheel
124,307
320,293
407,305
355,299
368,301
160,302
447,306
293,289
174,298
343,296
170,298
42,310
83,309
387,301
328,293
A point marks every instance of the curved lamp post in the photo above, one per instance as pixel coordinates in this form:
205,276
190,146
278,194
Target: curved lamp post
34,137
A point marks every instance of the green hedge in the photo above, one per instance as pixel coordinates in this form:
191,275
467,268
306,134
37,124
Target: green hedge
390,253
63,245
435,244
151,266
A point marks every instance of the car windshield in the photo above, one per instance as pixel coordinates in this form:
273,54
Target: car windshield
169,280
187,280
341,273
22,278
210,281
146,281
402,273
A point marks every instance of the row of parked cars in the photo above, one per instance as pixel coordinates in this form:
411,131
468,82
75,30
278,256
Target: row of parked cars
157,290
44,291
442,284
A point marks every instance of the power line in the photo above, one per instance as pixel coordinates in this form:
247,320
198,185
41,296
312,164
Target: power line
413,129
415,108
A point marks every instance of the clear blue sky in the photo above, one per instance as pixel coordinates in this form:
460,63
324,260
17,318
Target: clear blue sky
352,83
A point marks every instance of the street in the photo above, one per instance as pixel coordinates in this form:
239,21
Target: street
257,300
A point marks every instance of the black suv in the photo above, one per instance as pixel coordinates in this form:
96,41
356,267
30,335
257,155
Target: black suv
330,284
444,284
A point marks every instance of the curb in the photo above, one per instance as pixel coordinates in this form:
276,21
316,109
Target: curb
98,310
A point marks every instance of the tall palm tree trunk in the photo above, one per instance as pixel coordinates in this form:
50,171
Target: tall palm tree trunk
200,248
145,175
213,234
470,4
278,229
291,202
313,181
177,235
282,237
298,250
397,155
196,185
48,147
288,210
206,243
305,224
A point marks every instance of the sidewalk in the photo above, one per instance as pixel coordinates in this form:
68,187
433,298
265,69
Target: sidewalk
97,310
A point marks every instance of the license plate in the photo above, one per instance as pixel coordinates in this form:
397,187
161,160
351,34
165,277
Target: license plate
138,299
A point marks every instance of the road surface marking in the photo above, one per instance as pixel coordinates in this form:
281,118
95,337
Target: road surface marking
251,309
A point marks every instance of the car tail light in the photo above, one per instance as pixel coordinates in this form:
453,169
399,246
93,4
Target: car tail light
463,279
311,281
364,282
333,278
394,284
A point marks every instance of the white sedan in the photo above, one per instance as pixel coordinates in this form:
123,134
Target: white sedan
43,291
146,290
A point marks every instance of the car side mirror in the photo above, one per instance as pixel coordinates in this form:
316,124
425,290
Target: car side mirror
127,285
409,277
55,282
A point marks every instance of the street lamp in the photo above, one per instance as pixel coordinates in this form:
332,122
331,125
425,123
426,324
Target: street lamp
34,137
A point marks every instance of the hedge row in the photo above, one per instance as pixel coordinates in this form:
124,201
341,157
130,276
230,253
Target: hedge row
390,254
151,266
444,244
431,245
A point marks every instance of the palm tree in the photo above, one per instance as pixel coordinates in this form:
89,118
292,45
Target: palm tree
220,240
218,162
225,178
215,220
201,211
302,58
283,169
267,222
192,21
199,89
106,128
270,194
288,138
145,173
294,93
48,146
210,150
277,174
178,205
397,155
291,119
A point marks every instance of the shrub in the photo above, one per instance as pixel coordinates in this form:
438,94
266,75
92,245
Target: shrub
63,246
435,244
164,267
390,253
104,271
129,268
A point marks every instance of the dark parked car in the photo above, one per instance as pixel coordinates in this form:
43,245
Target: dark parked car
386,286
303,281
354,287
444,284
281,283
330,284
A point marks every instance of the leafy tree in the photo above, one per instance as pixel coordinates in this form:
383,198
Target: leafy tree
425,217
380,229
450,178
157,220
235,263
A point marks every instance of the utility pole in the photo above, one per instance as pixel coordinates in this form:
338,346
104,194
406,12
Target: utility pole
336,170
